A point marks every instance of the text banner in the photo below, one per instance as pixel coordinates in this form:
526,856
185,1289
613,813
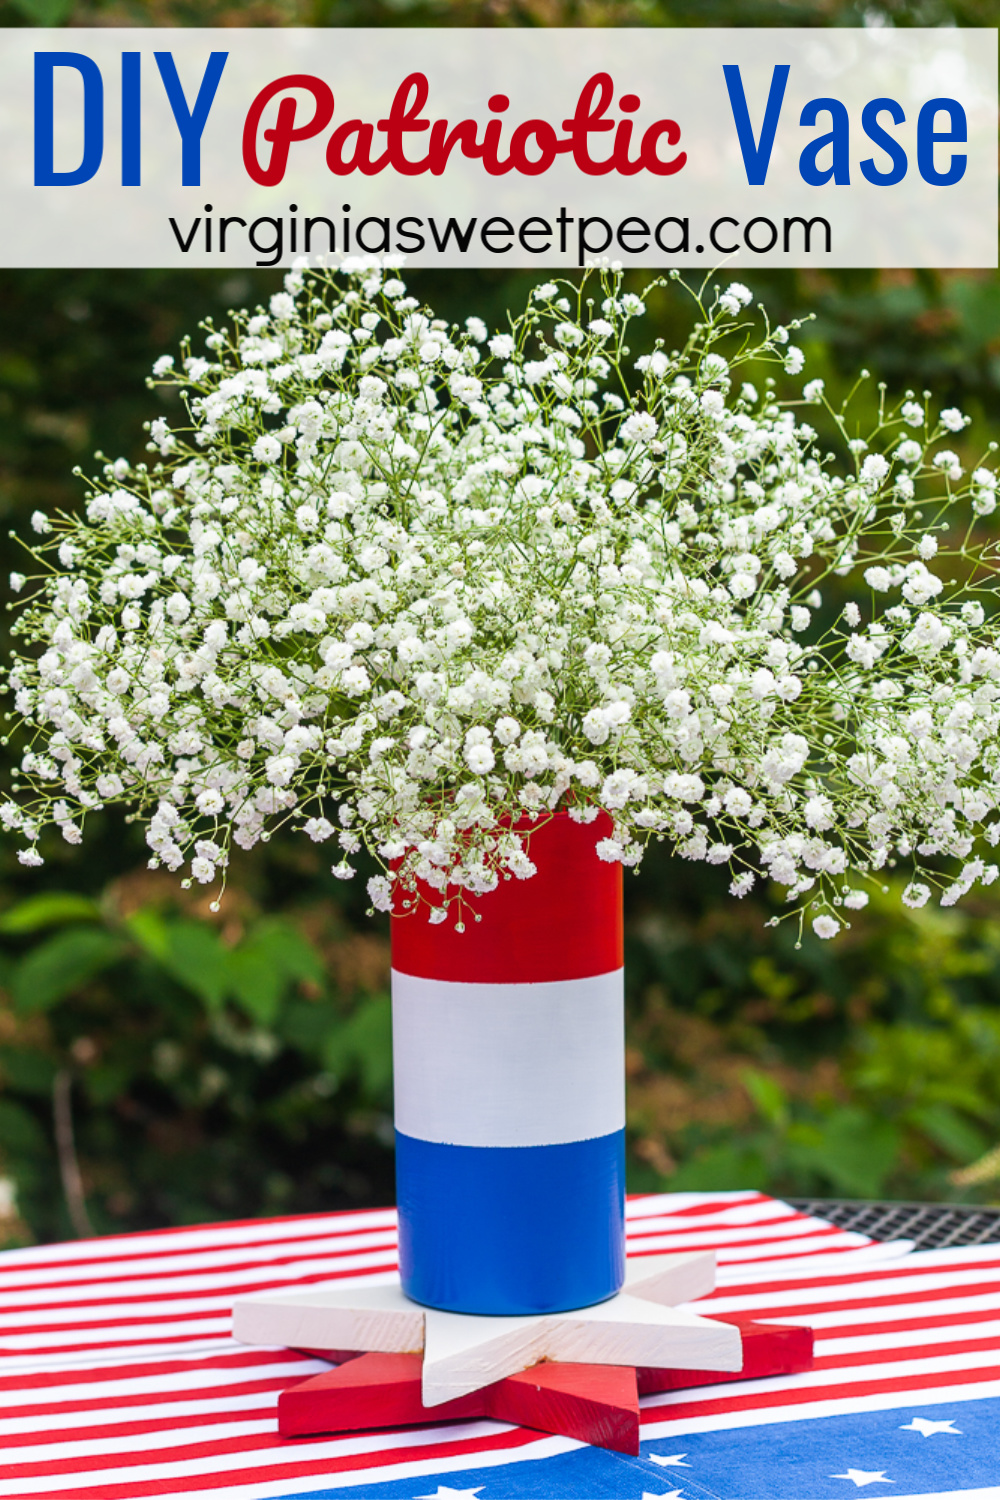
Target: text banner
823,148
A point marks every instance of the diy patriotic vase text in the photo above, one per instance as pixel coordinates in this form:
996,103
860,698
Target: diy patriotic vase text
508,1062
351,144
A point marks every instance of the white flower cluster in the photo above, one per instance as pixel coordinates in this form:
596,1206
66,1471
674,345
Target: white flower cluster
411,586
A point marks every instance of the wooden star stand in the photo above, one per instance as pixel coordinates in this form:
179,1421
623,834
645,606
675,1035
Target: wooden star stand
579,1374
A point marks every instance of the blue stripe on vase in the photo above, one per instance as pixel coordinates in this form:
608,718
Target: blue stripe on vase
511,1229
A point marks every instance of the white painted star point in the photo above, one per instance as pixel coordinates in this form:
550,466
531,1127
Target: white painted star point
927,1428
861,1477
669,1460
670,1495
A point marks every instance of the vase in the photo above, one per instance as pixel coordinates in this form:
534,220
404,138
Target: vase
508,1058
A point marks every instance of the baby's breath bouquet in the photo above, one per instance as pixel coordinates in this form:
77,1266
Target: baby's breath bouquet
403,584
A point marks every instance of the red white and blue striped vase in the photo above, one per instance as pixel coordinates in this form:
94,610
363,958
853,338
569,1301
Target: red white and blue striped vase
508,1054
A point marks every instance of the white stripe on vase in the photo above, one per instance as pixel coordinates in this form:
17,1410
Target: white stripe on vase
509,1064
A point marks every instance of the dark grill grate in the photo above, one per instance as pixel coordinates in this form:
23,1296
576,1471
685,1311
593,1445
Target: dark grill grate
931,1226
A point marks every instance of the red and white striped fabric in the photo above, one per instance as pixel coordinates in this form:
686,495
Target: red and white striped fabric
923,1323
118,1378
149,1293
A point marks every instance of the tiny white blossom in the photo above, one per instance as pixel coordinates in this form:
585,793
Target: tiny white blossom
596,726
480,758
282,306
929,634
355,681
609,851
921,586
873,470
949,463
380,892
507,730
742,585
618,788
638,428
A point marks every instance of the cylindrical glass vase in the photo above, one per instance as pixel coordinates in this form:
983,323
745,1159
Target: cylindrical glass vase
508,1055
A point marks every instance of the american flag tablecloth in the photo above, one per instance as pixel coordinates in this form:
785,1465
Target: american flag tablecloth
118,1378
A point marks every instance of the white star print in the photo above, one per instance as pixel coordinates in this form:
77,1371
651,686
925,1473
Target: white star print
444,1493
864,1476
928,1429
673,1495
673,1461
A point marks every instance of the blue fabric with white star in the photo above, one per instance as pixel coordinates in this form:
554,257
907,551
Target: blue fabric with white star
930,1450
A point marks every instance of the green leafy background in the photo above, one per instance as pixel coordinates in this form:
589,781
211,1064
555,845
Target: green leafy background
223,1065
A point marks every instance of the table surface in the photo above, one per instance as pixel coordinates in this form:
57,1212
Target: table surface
119,1380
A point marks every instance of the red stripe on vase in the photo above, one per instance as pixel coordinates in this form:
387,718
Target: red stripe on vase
563,923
